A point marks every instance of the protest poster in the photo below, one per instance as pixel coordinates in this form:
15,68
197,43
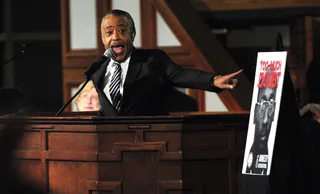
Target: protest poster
264,112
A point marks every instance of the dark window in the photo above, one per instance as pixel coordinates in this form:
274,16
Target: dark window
35,15
38,75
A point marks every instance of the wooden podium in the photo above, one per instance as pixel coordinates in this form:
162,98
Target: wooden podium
79,154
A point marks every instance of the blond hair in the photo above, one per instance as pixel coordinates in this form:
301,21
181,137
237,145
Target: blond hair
87,88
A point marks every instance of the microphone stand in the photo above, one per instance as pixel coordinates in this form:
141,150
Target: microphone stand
88,74
12,99
16,56
70,100
279,43
22,51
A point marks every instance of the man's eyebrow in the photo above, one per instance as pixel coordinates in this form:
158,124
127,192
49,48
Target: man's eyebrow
119,25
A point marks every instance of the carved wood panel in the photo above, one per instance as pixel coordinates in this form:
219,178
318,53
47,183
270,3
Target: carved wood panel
127,156
70,177
104,187
175,186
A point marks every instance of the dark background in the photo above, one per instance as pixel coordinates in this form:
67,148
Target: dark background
38,72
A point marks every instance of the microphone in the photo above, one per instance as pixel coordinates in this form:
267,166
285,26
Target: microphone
23,48
88,74
96,65
25,45
110,53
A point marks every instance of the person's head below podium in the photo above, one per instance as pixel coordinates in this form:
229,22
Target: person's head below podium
87,99
264,113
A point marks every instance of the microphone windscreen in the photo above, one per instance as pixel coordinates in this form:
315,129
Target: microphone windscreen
109,53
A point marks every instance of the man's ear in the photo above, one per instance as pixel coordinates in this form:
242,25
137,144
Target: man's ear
133,35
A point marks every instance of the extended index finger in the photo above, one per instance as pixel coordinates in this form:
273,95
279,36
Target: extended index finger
234,74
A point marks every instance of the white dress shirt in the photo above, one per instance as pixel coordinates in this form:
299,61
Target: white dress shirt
109,73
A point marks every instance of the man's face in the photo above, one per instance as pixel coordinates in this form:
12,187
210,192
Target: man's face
116,34
265,112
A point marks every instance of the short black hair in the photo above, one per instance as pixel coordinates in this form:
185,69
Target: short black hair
118,12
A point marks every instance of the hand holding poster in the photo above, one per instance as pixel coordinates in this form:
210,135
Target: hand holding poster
264,113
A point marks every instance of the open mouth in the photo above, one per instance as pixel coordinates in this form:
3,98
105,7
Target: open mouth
118,49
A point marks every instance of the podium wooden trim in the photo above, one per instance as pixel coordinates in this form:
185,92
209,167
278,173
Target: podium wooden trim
196,153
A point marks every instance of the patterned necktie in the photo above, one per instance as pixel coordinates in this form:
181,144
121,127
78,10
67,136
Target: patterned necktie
114,88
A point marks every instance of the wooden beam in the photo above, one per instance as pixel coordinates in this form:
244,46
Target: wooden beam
206,50
233,19
250,4
149,27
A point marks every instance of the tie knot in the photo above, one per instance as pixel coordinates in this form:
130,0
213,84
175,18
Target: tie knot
116,63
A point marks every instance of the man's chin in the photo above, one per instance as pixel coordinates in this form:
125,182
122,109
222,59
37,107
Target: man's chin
120,58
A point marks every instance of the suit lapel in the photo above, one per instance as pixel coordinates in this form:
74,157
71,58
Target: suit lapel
98,78
133,71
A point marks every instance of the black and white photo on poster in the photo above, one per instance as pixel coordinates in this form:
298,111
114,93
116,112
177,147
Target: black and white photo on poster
264,112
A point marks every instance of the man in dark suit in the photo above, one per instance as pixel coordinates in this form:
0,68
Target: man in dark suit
134,81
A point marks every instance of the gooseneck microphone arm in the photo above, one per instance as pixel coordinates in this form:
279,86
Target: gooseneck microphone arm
23,48
88,74
70,100
94,67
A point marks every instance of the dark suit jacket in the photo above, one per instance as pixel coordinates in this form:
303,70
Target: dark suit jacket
149,75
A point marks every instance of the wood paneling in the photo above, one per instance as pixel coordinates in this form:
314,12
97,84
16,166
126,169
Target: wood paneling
219,5
75,62
83,57
30,170
148,27
180,56
68,54
206,51
88,154
66,176
104,187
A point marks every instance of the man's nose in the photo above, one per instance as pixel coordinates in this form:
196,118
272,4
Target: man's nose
265,117
115,35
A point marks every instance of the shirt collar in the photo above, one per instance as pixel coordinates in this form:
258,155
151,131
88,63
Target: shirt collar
126,62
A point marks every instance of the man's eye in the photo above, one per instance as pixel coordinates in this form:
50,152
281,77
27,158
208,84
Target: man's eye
108,33
122,31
